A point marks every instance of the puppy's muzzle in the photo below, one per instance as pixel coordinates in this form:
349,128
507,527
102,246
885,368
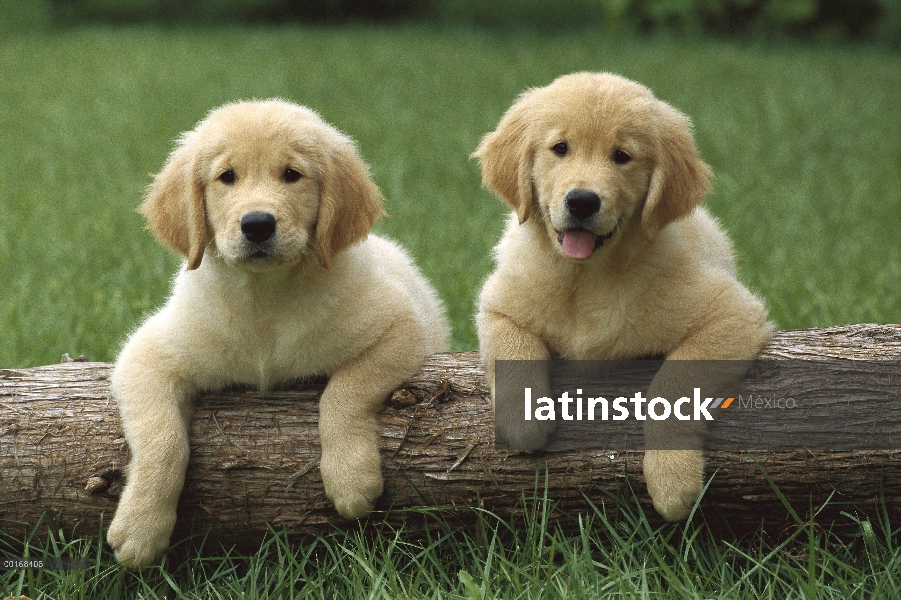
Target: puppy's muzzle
579,240
258,227
582,204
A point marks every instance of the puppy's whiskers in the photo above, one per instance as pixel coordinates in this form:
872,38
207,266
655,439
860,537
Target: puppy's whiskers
311,247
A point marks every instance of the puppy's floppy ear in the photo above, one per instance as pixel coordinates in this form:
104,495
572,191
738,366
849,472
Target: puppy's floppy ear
349,202
506,157
680,179
174,206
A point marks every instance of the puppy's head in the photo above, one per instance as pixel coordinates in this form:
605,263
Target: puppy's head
595,156
264,184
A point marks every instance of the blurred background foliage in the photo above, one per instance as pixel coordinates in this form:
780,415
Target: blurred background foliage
878,20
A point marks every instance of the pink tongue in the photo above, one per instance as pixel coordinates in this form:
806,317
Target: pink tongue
578,243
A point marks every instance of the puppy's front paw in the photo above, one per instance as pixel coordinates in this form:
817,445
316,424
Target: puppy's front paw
140,532
524,435
352,481
675,479
510,418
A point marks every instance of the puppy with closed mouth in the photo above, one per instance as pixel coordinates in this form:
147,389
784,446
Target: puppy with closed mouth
272,209
608,256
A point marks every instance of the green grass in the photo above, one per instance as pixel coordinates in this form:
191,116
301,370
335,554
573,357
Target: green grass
597,555
805,142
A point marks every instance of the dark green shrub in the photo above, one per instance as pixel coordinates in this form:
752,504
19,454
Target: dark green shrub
843,19
206,11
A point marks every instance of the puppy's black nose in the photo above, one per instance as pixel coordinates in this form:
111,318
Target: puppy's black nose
258,227
582,203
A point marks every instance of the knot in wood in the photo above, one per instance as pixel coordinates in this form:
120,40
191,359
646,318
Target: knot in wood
96,485
402,399
67,359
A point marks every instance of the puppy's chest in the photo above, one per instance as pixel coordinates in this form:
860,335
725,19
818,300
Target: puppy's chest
274,343
596,322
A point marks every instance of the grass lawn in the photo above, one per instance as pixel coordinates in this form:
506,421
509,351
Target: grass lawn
598,557
805,142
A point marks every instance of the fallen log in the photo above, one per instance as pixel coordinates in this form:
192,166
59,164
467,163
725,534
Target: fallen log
254,456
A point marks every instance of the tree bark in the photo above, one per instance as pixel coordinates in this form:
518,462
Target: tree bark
254,456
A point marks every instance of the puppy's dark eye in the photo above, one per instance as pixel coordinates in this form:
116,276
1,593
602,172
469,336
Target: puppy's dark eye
560,149
290,175
227,177
621,158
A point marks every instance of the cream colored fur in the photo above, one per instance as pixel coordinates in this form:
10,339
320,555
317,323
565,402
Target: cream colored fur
663,283
325,298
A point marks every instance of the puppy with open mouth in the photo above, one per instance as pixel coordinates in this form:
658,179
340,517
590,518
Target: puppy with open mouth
608,256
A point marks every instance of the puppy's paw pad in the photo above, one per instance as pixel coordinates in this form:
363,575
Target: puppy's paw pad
524,436
675,481
352,487
137,553
139,537
672,509
353,506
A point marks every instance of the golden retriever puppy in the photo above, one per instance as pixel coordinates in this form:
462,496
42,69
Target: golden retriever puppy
607,256
272,209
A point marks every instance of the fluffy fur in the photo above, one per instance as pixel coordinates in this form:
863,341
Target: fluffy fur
317,296
649,273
